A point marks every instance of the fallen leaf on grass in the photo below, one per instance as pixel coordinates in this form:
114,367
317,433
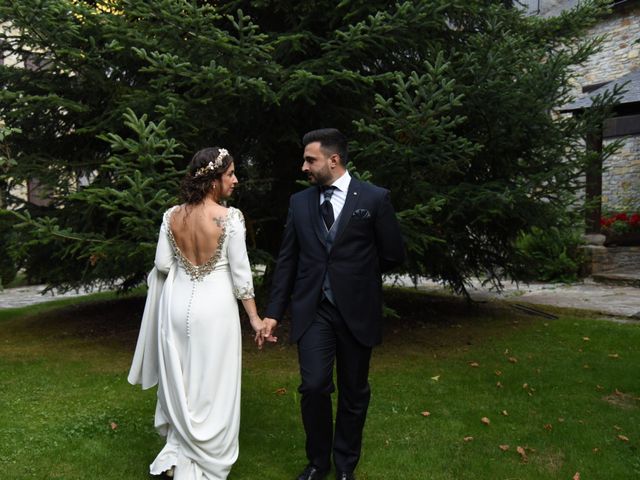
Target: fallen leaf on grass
576,476
498,384
513,360
624,438
474,364
436,378
614,355
280,391
485,420
505,413
504,448
113,425
522,453
586,339
548,427
468,439
498,373
425,413
616,427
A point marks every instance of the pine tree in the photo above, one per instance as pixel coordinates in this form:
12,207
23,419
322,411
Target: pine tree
449,103
106,233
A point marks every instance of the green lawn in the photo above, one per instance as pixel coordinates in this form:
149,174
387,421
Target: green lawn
566,391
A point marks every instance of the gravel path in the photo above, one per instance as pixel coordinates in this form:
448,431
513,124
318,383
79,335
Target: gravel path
24,296
613,300
619,301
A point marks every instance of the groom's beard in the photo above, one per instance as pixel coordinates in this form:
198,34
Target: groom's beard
320,178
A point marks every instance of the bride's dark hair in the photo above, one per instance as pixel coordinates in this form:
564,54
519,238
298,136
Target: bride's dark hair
201,172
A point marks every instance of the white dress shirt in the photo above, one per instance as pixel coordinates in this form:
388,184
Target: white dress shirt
339,194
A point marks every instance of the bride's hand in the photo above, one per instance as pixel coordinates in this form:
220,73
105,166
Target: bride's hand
258,327
262,331
256,323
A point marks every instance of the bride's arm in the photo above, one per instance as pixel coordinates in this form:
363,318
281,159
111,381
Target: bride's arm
249,305
241,274
164,253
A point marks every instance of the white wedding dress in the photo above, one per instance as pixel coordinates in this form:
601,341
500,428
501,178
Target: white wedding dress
190,345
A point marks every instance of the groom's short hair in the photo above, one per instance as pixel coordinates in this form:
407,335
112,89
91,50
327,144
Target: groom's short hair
331,140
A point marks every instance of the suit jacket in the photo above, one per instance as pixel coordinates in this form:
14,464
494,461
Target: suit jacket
367,243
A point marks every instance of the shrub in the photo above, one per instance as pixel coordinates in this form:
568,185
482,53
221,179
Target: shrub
551,255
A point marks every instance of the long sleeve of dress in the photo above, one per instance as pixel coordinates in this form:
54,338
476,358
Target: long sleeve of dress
241,274
164,253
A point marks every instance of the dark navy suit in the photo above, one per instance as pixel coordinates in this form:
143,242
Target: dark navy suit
346,323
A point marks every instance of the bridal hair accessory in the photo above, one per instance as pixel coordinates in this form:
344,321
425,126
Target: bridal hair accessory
212,166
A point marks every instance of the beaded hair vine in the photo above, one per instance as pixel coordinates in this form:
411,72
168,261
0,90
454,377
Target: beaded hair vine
212,166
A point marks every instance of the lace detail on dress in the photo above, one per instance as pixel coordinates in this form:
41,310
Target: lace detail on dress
245,292
197,272
232,227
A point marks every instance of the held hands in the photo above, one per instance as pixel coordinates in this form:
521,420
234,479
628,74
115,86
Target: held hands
270,325
263,330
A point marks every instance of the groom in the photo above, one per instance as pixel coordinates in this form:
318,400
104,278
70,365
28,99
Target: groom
340,235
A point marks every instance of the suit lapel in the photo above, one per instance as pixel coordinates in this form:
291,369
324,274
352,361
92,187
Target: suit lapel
353,194
314,215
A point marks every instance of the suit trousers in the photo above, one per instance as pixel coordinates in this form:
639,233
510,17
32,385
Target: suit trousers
328,340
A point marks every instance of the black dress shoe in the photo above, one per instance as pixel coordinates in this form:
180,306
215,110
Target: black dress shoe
311,472
345,476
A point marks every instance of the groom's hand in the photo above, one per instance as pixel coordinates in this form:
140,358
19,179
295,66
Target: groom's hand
269,327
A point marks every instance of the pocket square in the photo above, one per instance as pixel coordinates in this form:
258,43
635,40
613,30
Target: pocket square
361,213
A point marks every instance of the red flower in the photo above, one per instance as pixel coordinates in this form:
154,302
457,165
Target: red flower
621,222
606,222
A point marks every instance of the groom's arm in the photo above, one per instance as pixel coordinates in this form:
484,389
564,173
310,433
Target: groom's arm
285,272
389,240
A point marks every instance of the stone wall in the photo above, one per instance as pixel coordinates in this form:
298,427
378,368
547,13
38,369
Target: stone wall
621,177
613,259
620,52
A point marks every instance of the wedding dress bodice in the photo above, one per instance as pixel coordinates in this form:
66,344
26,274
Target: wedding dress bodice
230,253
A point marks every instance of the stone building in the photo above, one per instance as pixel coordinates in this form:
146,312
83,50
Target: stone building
616,181
618,63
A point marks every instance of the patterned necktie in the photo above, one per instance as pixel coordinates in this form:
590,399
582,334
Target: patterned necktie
326,209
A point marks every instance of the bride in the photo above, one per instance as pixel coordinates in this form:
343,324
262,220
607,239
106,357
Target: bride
190,340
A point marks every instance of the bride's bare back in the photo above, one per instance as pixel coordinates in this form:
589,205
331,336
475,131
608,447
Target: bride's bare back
197,230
